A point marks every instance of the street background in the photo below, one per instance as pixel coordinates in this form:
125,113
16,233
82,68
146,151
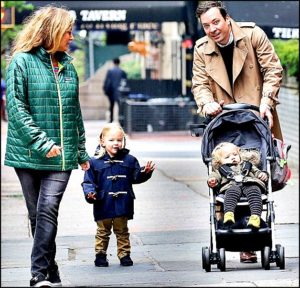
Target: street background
170,226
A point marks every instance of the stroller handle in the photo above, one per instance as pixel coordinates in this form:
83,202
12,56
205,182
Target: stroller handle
234,106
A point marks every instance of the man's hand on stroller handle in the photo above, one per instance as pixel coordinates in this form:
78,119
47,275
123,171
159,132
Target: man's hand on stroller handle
265,112
213,108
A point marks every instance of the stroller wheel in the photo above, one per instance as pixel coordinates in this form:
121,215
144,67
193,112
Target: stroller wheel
266,258
280,259
222,260
205,259
262,257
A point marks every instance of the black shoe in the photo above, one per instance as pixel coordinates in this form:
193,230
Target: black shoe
126,261
40,281
101,260
53,277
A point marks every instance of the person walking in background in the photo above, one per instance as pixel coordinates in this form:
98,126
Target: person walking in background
233,175
235,62
46,136
108,185
111,85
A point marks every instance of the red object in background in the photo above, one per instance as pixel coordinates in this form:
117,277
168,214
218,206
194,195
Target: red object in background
187,43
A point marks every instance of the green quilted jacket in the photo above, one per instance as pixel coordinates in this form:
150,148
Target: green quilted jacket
43,110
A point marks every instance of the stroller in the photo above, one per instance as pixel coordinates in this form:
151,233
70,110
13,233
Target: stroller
241,126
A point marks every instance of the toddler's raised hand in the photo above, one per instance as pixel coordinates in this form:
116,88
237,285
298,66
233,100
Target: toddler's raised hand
149,167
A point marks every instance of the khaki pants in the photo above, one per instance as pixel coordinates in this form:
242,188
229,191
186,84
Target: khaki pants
120,228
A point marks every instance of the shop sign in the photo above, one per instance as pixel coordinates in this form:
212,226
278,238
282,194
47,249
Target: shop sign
285,33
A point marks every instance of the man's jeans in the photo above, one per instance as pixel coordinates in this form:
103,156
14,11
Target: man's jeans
43,191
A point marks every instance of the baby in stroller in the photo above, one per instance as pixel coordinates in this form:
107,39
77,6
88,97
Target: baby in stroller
233,175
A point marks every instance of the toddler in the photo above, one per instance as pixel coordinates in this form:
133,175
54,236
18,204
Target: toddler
108,185
233,176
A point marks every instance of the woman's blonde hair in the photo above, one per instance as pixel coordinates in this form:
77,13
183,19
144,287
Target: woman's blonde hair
107,128
43,28
217,153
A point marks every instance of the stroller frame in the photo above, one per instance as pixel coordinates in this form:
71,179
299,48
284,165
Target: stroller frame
223,240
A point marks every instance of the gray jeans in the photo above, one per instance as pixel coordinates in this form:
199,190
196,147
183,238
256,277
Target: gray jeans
43,191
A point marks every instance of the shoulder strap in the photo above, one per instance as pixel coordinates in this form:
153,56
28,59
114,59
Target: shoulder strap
226,171
246,168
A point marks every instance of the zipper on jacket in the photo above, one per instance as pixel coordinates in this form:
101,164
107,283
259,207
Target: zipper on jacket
60,115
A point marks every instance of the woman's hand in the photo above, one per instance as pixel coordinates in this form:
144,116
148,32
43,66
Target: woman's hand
54,151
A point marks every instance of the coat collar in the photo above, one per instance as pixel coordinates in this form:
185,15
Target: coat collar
62,57
120,155
216,67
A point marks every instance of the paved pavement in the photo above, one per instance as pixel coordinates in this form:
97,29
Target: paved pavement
170,227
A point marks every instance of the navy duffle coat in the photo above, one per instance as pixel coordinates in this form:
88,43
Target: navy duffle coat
111,179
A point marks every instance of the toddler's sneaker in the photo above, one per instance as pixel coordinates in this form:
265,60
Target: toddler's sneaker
126,261
229,218
101,260
254,222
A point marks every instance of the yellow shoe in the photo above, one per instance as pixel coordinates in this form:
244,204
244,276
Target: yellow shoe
254,221
229,218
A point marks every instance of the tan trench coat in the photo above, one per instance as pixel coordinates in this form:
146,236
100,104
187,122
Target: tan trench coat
257,72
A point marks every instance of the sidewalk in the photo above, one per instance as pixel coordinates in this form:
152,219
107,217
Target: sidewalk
170,227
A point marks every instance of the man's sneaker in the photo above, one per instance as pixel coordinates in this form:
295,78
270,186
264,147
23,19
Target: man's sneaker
254,222
248,257
126,261
101,260
53,277
40,281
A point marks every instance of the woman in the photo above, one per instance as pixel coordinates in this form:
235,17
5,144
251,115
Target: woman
46,137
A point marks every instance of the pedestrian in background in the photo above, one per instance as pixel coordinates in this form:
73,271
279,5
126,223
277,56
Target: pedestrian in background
108,185
111,85
235,62
45,137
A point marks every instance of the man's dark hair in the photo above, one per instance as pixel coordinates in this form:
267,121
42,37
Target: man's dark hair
116,61
204,6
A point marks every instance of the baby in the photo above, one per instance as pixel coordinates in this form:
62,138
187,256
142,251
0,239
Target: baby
233,176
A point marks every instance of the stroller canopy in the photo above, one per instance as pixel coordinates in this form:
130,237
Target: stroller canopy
240,127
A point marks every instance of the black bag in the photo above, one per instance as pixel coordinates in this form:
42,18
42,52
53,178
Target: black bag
280,172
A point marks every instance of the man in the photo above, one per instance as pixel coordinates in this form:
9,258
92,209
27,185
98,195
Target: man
235,62
112,84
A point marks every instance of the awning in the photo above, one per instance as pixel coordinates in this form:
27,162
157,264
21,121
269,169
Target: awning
265,13
122,11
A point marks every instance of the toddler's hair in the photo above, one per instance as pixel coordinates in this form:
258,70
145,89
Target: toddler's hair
106,128
217,154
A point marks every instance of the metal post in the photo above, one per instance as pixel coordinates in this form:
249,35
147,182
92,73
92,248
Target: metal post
91,54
